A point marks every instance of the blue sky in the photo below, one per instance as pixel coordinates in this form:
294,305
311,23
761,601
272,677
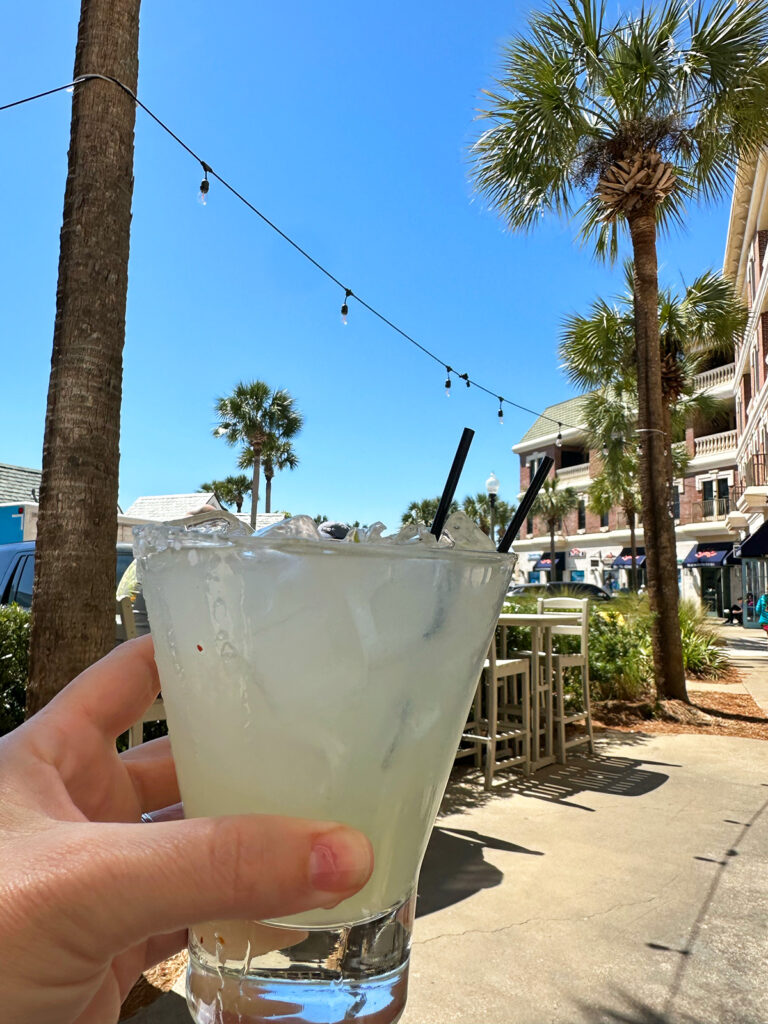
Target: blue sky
347,124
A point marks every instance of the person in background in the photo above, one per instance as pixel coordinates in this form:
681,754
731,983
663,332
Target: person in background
761,611
130,587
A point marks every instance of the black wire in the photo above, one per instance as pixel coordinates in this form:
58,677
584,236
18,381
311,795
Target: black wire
349,293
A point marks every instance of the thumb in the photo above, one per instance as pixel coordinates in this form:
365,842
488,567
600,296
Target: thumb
134,881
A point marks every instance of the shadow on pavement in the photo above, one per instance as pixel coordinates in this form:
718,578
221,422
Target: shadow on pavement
617,775
635,1012
454,867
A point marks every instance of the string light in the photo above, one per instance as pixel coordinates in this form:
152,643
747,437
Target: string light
204,189
448,372
204,184
559,438
345,307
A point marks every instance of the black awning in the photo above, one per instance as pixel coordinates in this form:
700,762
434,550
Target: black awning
624,560
711,553
545,562
755,545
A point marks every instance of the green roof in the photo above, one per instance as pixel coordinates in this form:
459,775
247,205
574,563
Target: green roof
568,413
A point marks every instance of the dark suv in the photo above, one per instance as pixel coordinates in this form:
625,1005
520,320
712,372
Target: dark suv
560,589
17,570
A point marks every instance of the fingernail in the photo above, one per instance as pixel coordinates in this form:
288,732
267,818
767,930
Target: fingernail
341,860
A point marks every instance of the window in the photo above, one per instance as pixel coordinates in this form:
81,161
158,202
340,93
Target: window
751,275
529,525
676,501
20,591
582,515
604,516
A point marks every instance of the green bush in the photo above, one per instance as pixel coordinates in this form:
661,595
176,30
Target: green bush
14,665
620,658
703,653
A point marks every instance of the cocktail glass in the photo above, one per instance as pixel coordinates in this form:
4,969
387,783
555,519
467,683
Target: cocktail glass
326,680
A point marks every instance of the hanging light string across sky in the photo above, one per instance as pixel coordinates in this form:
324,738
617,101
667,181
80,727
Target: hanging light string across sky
348,293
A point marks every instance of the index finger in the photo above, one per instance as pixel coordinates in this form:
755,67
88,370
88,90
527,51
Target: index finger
115,692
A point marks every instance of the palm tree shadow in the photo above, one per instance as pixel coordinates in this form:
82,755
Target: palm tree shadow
455,868
636,1012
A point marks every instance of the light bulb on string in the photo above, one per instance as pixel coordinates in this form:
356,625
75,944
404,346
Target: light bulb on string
501,411
465,378
448,372
345,306
559,438
204,184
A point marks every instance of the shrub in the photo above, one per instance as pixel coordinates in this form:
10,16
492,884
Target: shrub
703,653
14,665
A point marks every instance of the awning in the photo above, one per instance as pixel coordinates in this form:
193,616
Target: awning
710,553
545,562
756,545
624,560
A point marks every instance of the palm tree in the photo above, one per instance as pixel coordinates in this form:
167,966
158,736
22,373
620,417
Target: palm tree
623,124
696,329
552,505
73,621
250,416
478,508
278,454
422,513
231,490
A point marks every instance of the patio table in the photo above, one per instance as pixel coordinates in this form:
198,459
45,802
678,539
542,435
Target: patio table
540,626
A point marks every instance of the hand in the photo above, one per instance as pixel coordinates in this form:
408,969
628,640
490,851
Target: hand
90,896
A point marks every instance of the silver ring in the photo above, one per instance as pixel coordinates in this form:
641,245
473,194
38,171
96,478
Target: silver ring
148,818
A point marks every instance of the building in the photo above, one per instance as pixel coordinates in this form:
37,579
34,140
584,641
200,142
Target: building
596,549
745,264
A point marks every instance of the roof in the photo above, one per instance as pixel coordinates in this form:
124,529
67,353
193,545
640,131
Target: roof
568,413
161,507
17,483
262,518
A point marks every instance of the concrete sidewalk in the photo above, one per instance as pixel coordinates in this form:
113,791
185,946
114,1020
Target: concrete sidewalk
629,887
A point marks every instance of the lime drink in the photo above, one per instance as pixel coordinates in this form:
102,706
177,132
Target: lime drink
329,680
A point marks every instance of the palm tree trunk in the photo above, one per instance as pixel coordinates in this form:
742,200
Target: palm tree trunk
660,549
255,483
552,574
268,493
73,613
633,548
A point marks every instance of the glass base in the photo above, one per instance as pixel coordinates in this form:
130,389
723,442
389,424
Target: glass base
243,972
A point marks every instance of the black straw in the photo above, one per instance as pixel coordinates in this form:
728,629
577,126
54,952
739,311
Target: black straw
452,482
525,505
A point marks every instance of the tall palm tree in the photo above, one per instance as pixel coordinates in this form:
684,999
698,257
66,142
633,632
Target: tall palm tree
73,621
250,416
231,490
552,505
623,124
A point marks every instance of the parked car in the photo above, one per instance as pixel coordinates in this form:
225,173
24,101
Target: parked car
560,589
17,570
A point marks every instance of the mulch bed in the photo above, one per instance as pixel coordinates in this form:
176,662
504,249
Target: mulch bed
154,983
714,714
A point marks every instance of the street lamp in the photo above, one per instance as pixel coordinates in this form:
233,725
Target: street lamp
492,489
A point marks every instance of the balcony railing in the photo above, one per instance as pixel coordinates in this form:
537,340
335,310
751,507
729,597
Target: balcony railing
755,474
573,472
714,444
716,377
711,508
